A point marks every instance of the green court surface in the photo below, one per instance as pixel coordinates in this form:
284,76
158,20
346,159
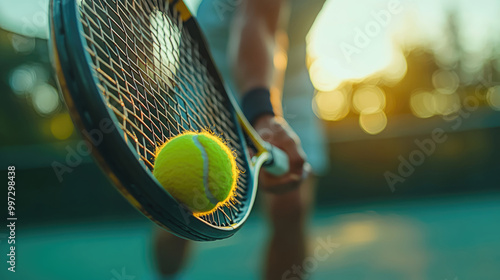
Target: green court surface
443,238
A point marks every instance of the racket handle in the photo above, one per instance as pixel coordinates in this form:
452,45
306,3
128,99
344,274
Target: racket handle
278,163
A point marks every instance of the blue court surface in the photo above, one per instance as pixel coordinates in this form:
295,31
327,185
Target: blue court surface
453,238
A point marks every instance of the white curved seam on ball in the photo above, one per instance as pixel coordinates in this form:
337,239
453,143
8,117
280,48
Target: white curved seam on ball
204,156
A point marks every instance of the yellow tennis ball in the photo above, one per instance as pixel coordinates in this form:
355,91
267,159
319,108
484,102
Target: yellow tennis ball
197,169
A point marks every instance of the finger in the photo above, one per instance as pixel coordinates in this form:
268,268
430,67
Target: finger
273,184
270,183
296,159
295,174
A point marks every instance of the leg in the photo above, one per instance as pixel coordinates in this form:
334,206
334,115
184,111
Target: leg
288,214
171,253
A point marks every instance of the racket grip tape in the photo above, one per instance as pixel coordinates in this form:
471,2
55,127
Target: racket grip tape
278,163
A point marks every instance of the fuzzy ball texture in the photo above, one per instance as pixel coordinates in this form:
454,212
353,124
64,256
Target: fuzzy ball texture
197,169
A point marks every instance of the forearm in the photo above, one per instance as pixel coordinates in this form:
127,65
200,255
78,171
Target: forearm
253,44
252,48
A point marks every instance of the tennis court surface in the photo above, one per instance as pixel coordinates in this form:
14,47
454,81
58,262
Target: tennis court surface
441,238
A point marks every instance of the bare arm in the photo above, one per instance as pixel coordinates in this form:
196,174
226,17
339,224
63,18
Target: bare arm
253,43
252,46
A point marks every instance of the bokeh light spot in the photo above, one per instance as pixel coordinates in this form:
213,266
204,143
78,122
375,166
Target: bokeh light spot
445,81
493,97
446,104
426,104
369,99
61,126
396,70
373,123
422,104
22,79
45,99
331,106
323,75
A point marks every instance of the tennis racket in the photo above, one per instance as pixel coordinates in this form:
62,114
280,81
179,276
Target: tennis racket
142,69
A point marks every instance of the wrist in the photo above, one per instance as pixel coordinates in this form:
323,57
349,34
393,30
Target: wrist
263,121
256,103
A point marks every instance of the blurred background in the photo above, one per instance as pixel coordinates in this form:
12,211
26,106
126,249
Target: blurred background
383,84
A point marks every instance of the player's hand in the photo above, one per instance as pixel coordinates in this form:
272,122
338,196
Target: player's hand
276,131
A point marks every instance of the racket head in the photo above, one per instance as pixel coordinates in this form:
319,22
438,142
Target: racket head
87,49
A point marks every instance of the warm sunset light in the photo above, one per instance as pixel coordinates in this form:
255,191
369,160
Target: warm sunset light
331,106
369,99
373,123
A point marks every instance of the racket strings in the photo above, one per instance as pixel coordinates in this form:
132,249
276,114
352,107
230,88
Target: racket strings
157,84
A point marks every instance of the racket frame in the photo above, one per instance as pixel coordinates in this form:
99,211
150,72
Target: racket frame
88,111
